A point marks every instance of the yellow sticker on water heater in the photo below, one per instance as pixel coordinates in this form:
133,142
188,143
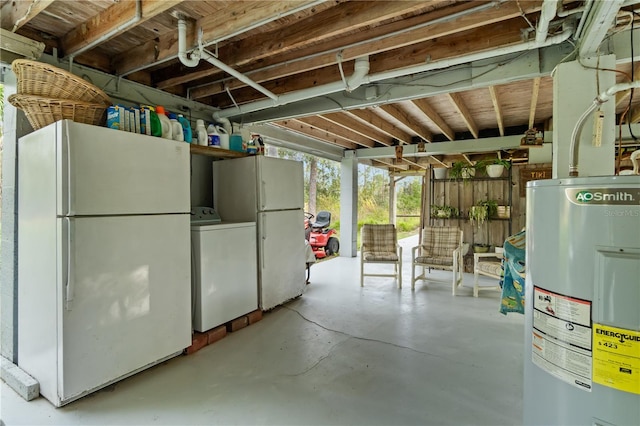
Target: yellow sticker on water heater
616,358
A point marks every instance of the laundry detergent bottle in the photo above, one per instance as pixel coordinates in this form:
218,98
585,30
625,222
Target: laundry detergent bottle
213,136
186,128
201,133
167,129
177,133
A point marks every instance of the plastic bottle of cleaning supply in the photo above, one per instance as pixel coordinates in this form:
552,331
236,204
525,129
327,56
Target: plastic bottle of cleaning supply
235,142
150,123
252,148
212,134
186,128
201,133
177,133
224,137
164,122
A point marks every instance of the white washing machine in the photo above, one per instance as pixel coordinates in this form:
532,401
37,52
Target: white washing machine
224,270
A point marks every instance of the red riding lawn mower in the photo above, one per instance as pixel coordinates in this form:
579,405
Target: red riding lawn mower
321,238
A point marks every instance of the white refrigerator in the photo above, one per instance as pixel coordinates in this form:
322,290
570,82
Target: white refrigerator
268,191
103,256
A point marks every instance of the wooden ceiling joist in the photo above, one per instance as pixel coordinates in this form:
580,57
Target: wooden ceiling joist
534,101
214,26
403,117
382,38
112,21
15,14
337,130
432,115
307,130
353,124
376,121
462,109
496,107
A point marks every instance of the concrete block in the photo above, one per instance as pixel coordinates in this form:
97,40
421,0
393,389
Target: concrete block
24,385
216,334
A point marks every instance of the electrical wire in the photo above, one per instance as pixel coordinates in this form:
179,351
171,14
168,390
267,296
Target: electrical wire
525,16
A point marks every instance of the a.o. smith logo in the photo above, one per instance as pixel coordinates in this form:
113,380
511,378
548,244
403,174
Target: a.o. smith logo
604,196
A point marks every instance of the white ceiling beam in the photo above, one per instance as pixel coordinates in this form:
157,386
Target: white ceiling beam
453,147
598,22
280,137
469,76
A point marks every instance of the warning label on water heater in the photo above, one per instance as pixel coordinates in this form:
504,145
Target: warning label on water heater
561,343
616,358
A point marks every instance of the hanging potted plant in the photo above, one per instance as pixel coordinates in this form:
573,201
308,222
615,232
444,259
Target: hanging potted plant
462,170
443,212
479,214
440,172
496,167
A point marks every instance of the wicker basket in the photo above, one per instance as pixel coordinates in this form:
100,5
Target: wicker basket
43,111
47,81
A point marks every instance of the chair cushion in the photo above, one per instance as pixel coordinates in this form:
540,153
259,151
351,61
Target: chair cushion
389,256
440,241
493,268
435,260
378,238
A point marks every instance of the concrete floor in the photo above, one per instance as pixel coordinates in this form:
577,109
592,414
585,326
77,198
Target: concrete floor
340,354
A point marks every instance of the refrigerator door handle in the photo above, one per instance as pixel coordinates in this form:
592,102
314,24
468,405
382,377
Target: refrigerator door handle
263,195
263,232
70,175
70,264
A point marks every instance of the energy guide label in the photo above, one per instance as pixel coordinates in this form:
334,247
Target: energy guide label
616,358
562,337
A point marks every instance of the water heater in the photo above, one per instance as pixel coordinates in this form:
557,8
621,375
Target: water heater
582,313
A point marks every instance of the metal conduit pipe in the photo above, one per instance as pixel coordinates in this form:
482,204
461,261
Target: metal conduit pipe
338,86
240,31
114,32
549,8
447,18
577,130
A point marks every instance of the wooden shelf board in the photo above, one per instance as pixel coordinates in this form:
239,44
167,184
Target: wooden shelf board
213,151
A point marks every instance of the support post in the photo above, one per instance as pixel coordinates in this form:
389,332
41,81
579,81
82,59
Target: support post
393,200
349,205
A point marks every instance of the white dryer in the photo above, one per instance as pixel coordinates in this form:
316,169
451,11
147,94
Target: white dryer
224,271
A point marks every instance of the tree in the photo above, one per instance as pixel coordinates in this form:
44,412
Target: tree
313,176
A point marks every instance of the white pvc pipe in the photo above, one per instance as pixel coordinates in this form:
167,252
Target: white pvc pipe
402,72
360,71
196,55
603,97
549,8
243,78
182,46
